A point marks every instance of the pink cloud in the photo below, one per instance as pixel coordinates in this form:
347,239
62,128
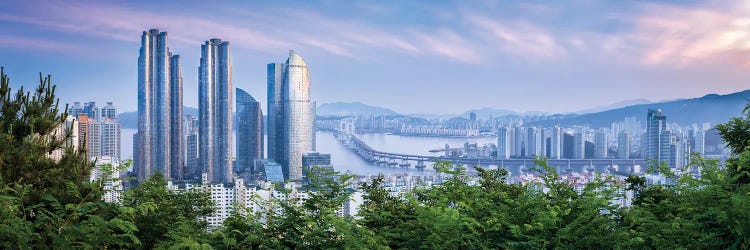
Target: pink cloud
683,36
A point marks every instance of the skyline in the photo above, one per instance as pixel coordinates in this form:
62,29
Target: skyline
487,55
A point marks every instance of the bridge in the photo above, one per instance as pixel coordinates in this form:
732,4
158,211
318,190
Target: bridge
614,166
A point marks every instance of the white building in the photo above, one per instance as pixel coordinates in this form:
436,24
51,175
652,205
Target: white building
70,124
105,170
251,199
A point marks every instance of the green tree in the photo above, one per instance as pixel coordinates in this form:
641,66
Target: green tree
49,203
161,213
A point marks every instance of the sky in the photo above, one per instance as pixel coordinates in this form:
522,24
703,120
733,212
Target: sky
409,56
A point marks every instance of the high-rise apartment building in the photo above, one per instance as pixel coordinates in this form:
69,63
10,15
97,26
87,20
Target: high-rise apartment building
215,110
75,109
532,144
291,111
503,143
556,143
109,111
92,111
624,141
110,138
579,143
249,132
600,145
155,104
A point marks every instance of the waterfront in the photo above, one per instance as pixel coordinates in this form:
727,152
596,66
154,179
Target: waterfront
344,160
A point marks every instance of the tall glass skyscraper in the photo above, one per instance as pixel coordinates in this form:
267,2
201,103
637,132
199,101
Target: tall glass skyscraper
290,114
155,104
249,132
175,120
275,73
215,110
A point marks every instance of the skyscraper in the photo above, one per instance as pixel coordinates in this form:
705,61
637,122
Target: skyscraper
249,132
176,146
154,105
215,110
291,111
275,110
656,125
503,143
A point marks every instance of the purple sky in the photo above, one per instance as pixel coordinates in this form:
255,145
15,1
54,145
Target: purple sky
410,56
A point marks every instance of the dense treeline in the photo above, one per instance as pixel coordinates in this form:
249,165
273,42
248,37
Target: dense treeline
52,204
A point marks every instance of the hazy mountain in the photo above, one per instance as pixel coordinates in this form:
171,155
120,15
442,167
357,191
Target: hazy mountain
130,119
616,105
351,108
709,108
482,113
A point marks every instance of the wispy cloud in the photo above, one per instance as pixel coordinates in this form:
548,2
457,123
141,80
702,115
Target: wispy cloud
449,44
21,42
682,36
518,37
656,34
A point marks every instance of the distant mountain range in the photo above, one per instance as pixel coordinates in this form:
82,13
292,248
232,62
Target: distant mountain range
351,108
482,113
709,108
616,105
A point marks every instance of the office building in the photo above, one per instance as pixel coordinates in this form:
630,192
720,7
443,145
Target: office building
291,110
656,125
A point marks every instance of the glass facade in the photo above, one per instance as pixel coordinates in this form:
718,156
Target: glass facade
215,110
298,120
175,120
275,110
155,100
291,115
249,132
